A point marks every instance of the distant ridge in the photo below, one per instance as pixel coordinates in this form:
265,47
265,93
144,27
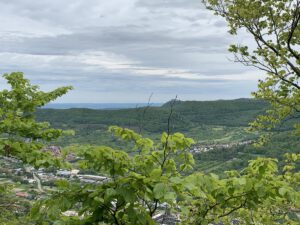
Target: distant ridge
138,105
98,105
217,101
193,118
187,114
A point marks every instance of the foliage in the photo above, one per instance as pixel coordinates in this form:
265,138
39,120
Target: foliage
156,178
257,195
274,27
135,186
22,136
13,211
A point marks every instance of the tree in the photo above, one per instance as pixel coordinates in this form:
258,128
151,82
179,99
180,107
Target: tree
22,136
136,188
259,194
156,180
13,211
274,28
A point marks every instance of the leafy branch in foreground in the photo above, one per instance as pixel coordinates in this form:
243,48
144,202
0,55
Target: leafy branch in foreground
274,27
135,188
138,187
22,136
13,211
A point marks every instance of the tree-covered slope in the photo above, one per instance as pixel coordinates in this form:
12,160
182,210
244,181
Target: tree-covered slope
186,114
202,120
208,122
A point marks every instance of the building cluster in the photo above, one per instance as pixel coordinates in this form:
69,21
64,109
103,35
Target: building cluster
200,148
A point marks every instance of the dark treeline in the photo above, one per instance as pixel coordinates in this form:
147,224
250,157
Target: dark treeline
187,115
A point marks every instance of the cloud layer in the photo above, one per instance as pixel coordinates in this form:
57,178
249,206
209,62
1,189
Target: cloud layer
122,50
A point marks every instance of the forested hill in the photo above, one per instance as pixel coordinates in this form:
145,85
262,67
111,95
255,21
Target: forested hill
187,114
237,112
208,122
198,119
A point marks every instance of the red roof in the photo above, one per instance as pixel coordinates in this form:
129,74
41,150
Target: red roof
22,194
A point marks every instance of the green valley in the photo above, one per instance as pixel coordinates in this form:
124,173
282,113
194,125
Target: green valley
209,123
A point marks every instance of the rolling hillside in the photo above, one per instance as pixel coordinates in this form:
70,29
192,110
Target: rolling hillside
204,121
208,122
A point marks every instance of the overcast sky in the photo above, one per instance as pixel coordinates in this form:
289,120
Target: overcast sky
122,50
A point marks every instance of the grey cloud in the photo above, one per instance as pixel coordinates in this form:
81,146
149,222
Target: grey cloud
171,3
117,38
64,39
220,23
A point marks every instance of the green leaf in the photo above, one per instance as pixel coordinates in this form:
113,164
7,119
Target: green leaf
156,173
160,190
282,191
242,181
